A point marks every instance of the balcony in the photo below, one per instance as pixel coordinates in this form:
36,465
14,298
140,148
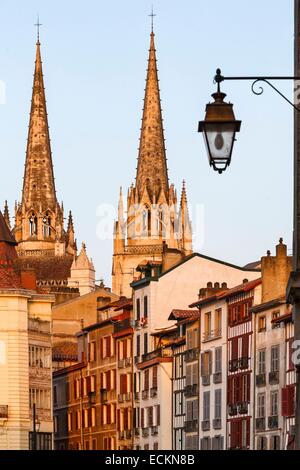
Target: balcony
232,409
103,395
92,397
128,396
122,435
121,364
243,408
217,423
234,365
244,363
260,424
136,432
145,432
121,397
137,396
161,352
145,394
154,430
153,392
191,426
191,391
205,425
211,335
136,359
128,361
122,325
274,378
3,411
191,355
206,380
273,422
261,380
217,378
128,434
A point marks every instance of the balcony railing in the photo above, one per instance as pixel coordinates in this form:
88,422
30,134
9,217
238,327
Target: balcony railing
233,365
217,378
206,380
128,361
261,380
145,432
243,408
217,423
128,434
137,396
191,390
153,392
244,363
191,355
145,394
232,409
213,334
103,395
260,424
121,363
274,377
136,432
154,430
121,397
205,425
273,422
191,426
136,359
161,352
128,396
122,435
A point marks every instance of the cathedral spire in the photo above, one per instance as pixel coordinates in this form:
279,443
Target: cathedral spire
6,215
185,223
39,185
152,173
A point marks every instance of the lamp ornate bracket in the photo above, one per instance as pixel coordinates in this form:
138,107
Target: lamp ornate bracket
219,78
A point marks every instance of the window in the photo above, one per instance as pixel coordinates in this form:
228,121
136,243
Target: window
146,306
178,403
206,406
150,416
69,422
56,425
154,377
47,225
218,322
93,416
92,351
78,420
218,360
145,343
138,309
261,405
218,443
261,362
86,418
206,366
146,379
275,359
218,404
107,346
55,395
207,325
178,365
32,224
123,384
178,439
191,442
275,443
192,374
138,345
274,403
192,410
192,338
262,443
261,324
244,433
206,443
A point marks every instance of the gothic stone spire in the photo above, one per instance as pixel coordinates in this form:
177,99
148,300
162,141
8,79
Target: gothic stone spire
152,170
39,185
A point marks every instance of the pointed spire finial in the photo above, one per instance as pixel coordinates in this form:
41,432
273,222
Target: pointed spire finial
6,214
152,15
38,24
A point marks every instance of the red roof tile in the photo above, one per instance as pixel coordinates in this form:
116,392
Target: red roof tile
183,314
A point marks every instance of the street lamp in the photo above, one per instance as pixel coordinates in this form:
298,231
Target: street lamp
219,128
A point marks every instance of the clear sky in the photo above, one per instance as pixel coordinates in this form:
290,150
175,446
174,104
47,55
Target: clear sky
95,56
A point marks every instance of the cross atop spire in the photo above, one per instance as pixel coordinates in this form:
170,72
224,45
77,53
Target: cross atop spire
152,15
38,24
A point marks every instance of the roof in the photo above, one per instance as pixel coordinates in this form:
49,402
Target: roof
47,268
5,234
254,265
117,304
183,314
246,287
284,318
267,305
65,351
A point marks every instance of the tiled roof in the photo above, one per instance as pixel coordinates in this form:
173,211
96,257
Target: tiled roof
66,350
47,268
117,304
5,234
183,314
246,287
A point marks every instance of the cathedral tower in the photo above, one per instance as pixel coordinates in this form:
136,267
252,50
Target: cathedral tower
43,243
152,216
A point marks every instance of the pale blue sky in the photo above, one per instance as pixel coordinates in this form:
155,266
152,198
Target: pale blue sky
94,55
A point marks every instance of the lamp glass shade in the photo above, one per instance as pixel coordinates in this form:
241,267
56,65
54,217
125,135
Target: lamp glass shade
219,139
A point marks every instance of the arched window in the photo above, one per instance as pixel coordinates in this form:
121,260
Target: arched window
32,224
47,225
147,220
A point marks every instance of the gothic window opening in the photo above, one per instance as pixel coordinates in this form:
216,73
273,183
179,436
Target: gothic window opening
47,225
147,220
32,224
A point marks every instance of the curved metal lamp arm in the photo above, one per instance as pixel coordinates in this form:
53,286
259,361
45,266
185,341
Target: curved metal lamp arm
220,78
261,91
